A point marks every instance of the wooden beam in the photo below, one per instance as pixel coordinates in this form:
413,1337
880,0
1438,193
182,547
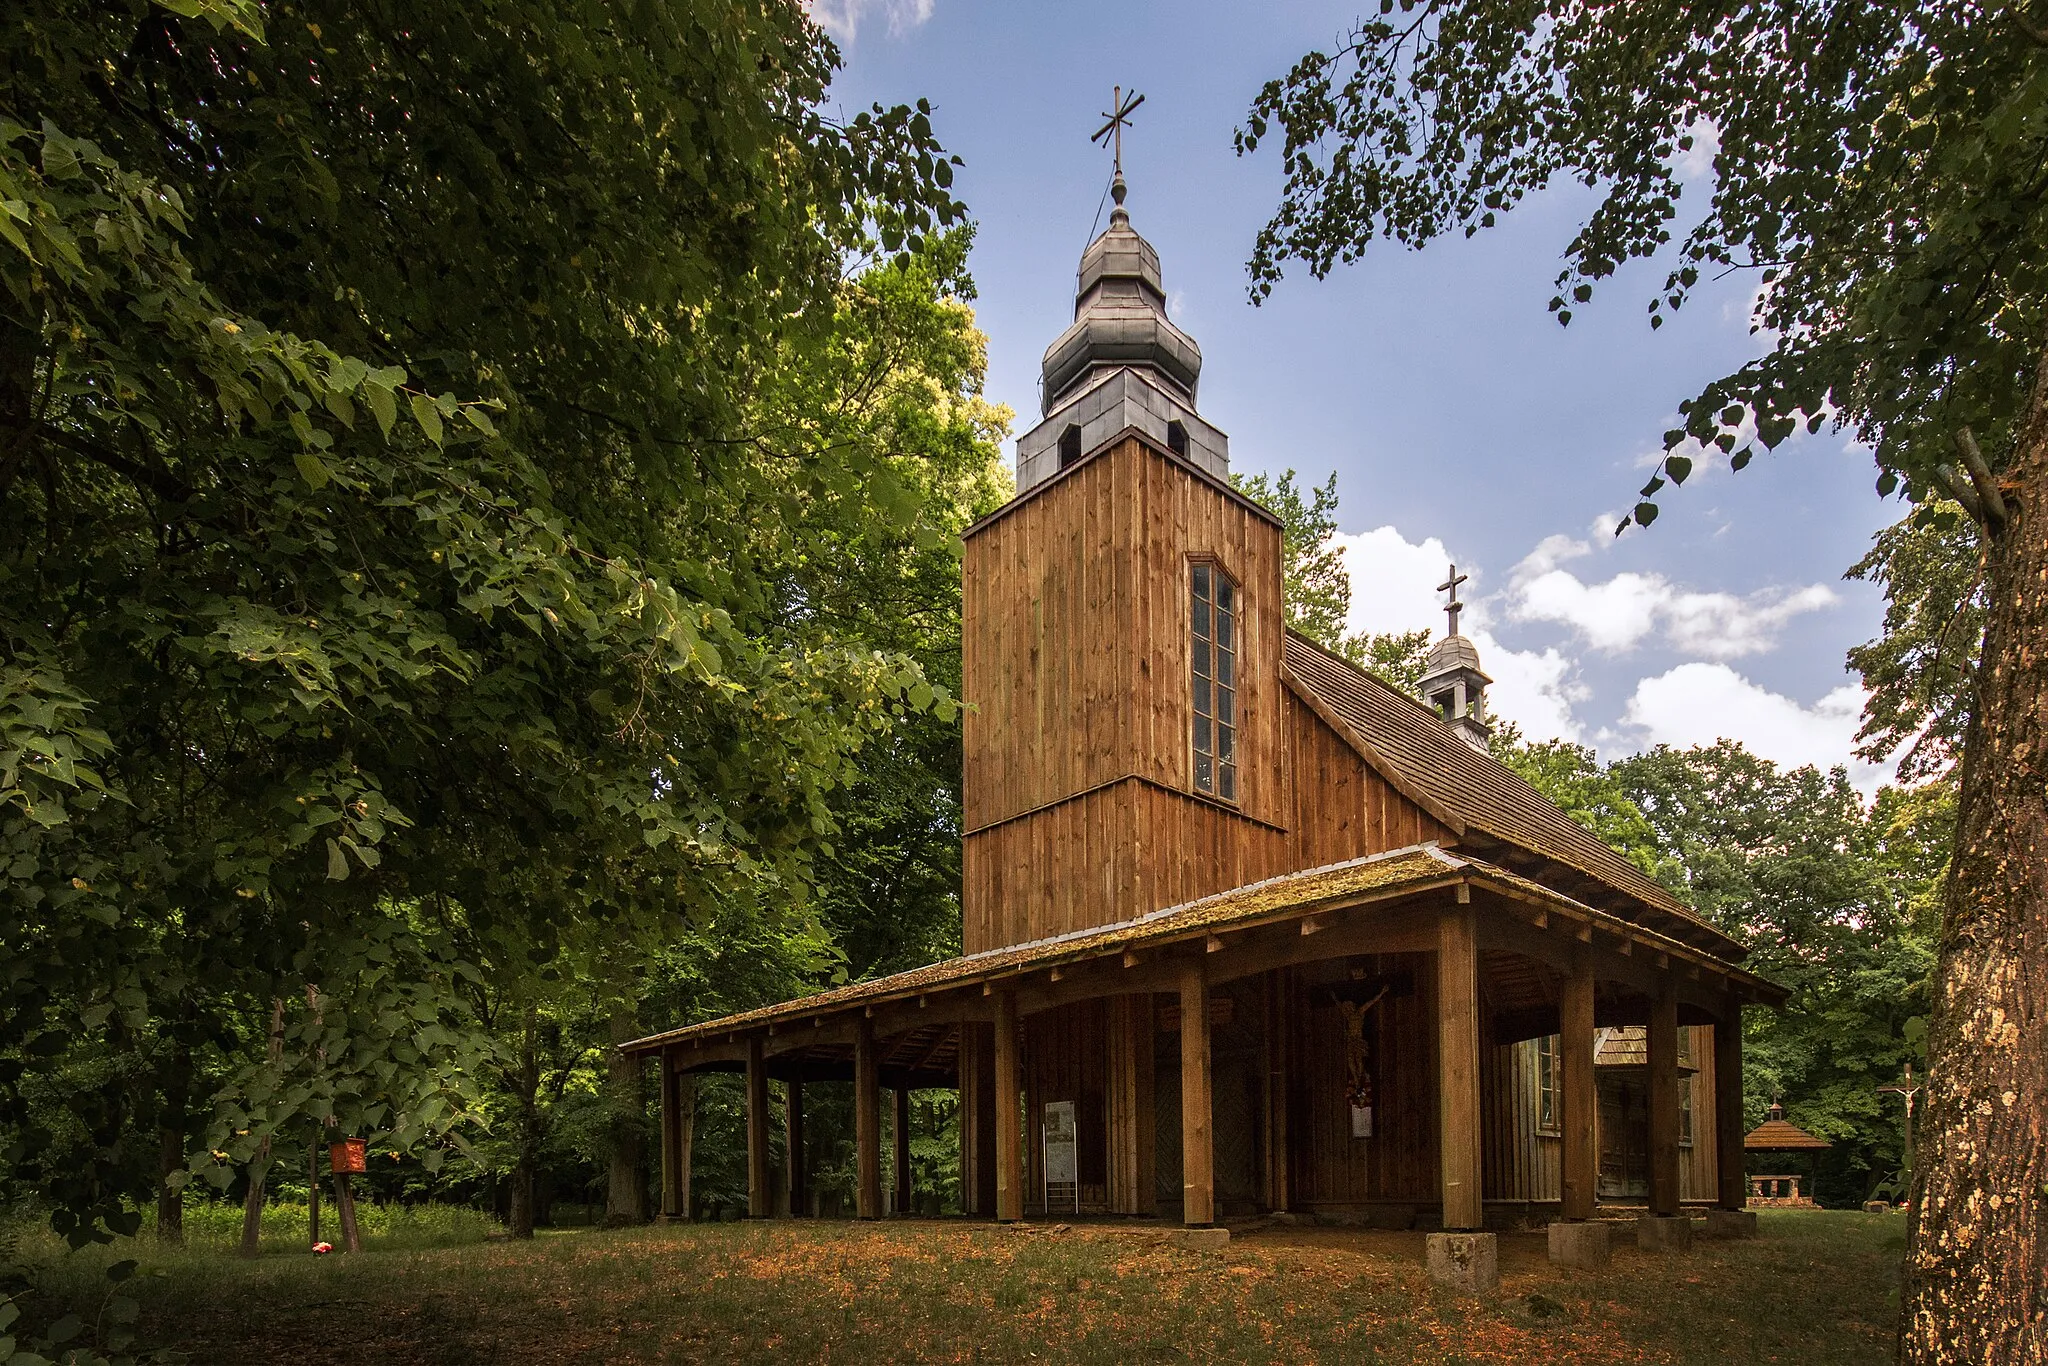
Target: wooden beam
1732,1179
670,1184
902,1127
797,1173
1579,1093
1131,1120
1197,1146
1663,1049
867,1124
1132,958
977,1074
1213,944
686,1141
1009,1116
760,1203
1457,978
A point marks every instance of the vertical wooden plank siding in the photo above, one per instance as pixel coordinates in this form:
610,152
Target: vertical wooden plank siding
1579,1095
760,1202
1521,1161
1342,809
1273,1039
867,1122
901,1124
1732,1178
1663,1054
1009,1119
1329,1169
978,1120
1458,1052
1130,1117
1197,1111
1698,1160
797,1174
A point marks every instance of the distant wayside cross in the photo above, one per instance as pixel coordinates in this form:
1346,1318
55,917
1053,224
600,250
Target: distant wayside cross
1453,607
1119,116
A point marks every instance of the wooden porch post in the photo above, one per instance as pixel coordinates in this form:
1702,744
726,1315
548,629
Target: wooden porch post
867,1122
1275,1042
1663,1043
1457,993
1733,1179
902,1127
760,1203
686,1140
1579,1094
670,1135
977,1120
1009,1118
798,1176
1197,1145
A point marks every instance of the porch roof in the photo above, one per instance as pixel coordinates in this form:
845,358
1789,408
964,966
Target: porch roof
1376,877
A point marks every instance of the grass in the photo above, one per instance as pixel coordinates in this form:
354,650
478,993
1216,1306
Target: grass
1817,1289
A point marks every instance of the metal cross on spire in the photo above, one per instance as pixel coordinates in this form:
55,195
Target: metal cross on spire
1453,607
1119,116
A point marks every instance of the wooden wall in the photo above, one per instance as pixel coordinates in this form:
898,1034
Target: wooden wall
1342,808
1075,658
1329,1169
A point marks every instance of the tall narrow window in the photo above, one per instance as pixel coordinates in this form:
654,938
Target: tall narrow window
1215,681
1548,1084
1684,1111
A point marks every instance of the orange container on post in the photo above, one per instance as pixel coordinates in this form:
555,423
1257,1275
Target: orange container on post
351,1155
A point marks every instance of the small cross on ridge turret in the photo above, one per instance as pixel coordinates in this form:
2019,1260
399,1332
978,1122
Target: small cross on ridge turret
1453,607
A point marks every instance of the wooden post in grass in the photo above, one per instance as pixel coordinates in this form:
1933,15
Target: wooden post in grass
867,1122
345,1213
759,1202
793,1115
1580,1093
313,1193
1729,1157
686,1140
1197,1137
1663,1042
1009,1112
1457,995
902,1125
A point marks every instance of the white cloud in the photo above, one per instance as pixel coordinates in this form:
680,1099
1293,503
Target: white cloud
1697,704
1626,610
1393,589
843,18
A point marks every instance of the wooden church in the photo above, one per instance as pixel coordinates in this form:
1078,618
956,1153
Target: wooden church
1246,930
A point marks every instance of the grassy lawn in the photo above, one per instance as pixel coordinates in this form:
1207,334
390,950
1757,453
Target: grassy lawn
1816,1289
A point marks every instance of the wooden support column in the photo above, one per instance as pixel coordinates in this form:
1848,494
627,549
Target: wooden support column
977,1120
1663,1050
798,1174
867,1123
686,1140
1578,1094
670,1125
760,1201
1730,1166
1457,994
1197,1137
1132,1114
1009,1118
1279,989
901,1124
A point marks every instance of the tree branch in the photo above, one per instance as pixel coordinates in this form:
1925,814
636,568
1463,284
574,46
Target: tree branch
163,484
1980,475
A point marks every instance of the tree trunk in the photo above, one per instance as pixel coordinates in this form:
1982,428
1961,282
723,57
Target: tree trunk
519,1223
170,1134
252,1204
1975,1263
345,1213
626,1093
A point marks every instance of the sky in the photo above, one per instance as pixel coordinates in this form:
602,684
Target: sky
1462,423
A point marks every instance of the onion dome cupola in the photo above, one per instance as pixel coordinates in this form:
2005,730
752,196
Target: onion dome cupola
1453,683
1122,364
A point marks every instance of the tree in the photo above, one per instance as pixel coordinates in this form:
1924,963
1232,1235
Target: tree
1318,586
1879,170
394,550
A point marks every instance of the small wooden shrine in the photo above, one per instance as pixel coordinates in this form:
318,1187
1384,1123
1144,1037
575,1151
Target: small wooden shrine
1245,928
1779,1135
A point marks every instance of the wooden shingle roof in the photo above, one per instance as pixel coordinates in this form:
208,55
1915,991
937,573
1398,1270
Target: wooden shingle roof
1470,790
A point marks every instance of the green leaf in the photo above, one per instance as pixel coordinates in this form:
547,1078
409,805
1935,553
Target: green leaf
1678,467
428,416
337,861
1645,513
383,406
312,469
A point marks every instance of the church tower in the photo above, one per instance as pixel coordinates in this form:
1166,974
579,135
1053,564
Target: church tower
1123,636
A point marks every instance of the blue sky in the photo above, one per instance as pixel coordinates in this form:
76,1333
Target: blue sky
1461,421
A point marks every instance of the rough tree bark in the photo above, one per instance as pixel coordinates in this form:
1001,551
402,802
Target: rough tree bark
1975,1277
519,1218
252,1203
170,1137
626,1198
